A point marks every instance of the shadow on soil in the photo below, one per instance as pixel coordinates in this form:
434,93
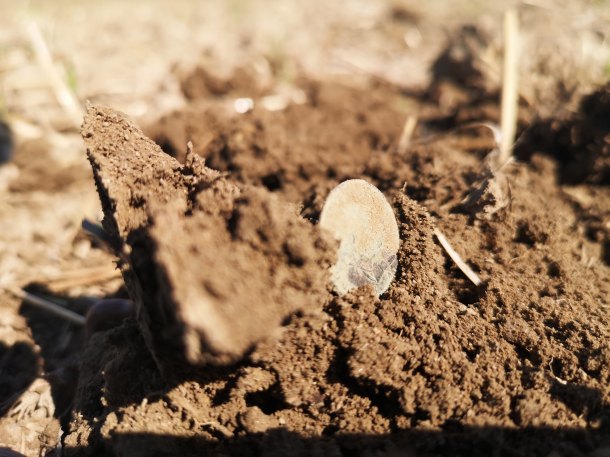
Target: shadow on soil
19,367
60,344
473,441
579,141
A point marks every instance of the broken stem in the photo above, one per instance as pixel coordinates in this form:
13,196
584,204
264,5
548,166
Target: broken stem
493,128
510,75
47,305
407,133
463,266
64,95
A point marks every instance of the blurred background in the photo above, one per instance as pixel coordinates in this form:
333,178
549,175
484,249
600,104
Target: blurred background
57,54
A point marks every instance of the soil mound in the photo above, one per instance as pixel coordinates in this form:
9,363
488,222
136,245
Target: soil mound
227,274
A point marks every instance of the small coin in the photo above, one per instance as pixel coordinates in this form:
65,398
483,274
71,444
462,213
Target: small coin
360,217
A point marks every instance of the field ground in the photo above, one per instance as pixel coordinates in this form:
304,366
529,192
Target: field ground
436,366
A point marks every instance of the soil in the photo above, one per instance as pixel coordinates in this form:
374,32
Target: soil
239,345
516,366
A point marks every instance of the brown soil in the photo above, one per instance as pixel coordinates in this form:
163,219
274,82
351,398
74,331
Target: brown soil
239,346
279,365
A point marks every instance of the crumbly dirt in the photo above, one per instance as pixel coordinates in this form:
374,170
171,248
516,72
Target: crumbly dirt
516,366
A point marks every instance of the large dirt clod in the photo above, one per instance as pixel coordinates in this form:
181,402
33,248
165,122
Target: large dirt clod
212,268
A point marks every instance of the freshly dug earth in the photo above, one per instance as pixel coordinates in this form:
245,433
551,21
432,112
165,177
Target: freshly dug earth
271,362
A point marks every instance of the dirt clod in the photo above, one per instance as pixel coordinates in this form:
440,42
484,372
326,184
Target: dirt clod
212,267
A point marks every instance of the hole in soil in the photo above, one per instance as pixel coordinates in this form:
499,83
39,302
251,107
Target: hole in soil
472,353
223,395
269,401
452,425
514,415
339,373
291,318
167,147
310,211
559,331
545,292
593,361
138,202
418,193
553,270
525,354
273,181
223,160
420,415
525,234
556,367
464,291
232,224
330,430
468,295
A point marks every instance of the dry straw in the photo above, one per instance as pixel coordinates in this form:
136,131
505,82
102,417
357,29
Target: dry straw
47,305
457,259
510,78
64,95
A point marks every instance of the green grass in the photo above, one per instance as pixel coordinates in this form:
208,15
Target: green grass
71,77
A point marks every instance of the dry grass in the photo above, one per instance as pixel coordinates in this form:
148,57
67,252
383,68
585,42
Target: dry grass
407,133
510,90
58,82
457,259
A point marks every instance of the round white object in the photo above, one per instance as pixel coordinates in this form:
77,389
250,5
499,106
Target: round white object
360,217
